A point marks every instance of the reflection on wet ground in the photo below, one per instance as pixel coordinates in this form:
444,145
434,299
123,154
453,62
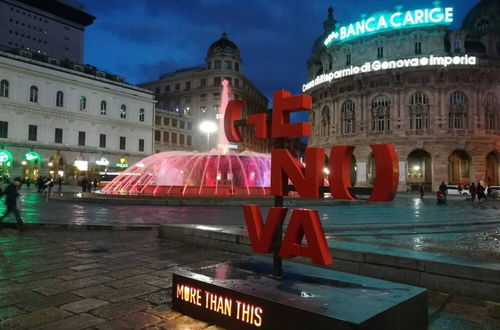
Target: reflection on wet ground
408,222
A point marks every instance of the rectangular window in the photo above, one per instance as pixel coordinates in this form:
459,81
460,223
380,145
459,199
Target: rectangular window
203,98
380,52
236,66
166,137
32,132
157,135
216,96
157,120
166,121
81,138
203,82
188,85
217,64
181,138
189,140
157,90
182,124
190,126
4,129
174,122
123,142
102,140
178,87
227,65
58,135
174,138
167,90
141,144
348,59
457,46
217,81
418,48
237,82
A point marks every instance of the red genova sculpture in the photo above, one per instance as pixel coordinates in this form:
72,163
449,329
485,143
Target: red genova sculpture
307,178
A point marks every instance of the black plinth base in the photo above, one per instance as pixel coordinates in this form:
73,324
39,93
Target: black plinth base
243,295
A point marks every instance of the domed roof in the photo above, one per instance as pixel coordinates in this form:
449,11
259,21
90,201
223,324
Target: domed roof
485,16
223,46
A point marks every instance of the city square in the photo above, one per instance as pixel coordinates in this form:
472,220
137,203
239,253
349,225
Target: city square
359,190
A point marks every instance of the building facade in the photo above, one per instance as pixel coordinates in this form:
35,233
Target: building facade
431,91
60,121
53,28
188,97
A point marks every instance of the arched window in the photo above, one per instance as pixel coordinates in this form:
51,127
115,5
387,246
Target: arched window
348,116
141,115
34,94
4,88
419,111
83,103
491,112
60,99
457,118
103,107
380,113
325,121
123,111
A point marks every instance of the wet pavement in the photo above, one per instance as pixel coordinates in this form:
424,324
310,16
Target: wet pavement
122,280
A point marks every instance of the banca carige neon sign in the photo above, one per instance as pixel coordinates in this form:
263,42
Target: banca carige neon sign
392,21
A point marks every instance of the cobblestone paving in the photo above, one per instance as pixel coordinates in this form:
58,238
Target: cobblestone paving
103,280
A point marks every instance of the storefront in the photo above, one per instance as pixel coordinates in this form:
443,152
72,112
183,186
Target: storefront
31,165
5,163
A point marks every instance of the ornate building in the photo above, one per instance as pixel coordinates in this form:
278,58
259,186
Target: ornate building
190,96
431,91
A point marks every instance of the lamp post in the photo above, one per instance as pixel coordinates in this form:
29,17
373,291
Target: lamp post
208,127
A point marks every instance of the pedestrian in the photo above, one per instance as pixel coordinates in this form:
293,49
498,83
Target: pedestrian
59,185
422,191
473,191
95,184
480,191
11,194
444,189
89,185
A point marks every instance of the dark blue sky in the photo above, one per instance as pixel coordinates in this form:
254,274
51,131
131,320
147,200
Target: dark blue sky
142,39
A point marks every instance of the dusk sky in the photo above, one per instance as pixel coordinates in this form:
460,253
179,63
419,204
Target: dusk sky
142,39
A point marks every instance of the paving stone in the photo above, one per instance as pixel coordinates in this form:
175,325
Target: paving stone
128,272
73,285
10,311
40,276
14,297
121,308
183,323
69,276
97,291
134,280
34,319
85,267
162,311
75,322
51,301
131,292
84,305
133,321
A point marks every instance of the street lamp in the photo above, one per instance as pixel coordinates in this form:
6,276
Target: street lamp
208,127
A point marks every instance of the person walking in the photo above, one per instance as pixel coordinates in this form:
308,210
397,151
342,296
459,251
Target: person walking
94,184
473,191
444,189
59,185
480,192
11,194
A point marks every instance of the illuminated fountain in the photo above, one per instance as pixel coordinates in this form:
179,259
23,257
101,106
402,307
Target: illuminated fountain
218,172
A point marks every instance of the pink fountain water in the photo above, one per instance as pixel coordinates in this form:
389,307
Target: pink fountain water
218,172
